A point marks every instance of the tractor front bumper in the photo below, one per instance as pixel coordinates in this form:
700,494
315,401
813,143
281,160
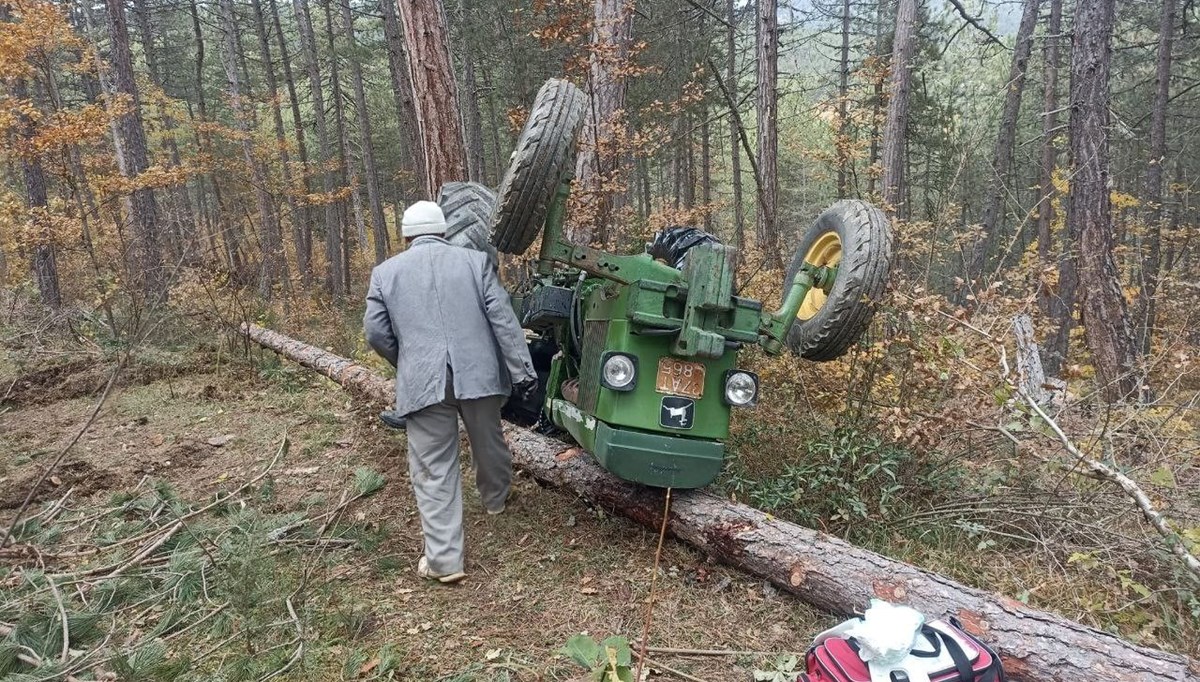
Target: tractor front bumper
660,460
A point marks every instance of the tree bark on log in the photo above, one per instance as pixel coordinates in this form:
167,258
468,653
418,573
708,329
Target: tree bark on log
819,569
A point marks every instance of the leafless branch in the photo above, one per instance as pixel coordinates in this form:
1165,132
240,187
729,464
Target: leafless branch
666,668
158,537
737,118
974,21
1103,471
720,19
144,553
299,640
62,614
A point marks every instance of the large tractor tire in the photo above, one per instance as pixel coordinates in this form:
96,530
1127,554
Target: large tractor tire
545,153
468,209
855,237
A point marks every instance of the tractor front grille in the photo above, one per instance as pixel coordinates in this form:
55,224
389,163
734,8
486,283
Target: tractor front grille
594,334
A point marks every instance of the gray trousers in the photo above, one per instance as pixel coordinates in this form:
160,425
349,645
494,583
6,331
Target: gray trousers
437,480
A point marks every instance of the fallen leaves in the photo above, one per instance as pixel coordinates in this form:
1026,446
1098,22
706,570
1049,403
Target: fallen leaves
417,629
368,667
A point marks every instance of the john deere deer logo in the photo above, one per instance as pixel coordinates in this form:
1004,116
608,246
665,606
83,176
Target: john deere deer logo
677,413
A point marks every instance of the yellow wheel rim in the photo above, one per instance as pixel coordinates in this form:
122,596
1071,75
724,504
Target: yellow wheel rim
824,253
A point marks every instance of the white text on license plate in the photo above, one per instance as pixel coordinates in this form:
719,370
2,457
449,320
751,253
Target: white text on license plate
679,377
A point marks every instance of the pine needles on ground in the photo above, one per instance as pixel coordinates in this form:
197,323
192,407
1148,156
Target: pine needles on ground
154,587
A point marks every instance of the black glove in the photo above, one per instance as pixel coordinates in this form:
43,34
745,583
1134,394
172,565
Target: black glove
526,390
393,419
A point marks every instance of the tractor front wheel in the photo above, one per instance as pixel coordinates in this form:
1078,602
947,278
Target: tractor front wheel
855,238
545,153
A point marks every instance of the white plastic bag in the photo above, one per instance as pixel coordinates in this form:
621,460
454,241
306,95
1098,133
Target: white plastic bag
885,635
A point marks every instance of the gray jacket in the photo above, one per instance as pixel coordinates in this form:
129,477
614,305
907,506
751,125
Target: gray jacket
435,306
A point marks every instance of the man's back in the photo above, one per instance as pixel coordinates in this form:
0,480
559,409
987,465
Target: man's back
436,306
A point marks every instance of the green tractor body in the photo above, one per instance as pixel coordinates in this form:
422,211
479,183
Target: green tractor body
638,357
676,334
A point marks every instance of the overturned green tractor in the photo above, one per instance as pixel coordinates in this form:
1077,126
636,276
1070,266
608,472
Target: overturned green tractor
638,354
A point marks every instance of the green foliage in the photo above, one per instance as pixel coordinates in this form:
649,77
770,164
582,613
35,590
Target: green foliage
367,481
286,377
606,661
148,663
845,477
222,582
785,668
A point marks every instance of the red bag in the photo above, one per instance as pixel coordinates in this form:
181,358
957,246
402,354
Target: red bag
944,652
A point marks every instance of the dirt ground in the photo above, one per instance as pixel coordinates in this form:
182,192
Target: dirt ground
549,568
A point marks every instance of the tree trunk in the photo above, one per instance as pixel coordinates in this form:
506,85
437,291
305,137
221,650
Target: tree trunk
44,260
498,158
1103,311
374,198
881,52
469,98
993,212
819,569
302,225
334,277
347,169
896,128
227,230
842,143
435,92
271,240
598,189
411,160
767,55
1153,200
181,225
146,268
735,153
298,217
1046,193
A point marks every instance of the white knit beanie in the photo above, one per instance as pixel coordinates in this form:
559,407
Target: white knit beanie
423,217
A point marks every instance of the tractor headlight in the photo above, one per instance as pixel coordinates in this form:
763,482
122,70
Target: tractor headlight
618,371
741,388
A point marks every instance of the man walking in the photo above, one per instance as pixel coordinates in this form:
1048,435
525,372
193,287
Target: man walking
438,314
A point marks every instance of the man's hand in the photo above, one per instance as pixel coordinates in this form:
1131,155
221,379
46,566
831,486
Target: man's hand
526,390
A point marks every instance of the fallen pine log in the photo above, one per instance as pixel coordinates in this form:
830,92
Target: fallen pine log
824,571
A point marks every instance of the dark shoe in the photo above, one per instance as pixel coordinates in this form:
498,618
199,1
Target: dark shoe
393,419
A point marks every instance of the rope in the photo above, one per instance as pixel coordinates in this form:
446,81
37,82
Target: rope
662,533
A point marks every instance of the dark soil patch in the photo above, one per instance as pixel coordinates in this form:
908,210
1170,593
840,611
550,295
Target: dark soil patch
78,474
80,378
41,385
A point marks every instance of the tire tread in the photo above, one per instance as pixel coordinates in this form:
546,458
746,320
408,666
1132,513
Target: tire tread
862,277
545,152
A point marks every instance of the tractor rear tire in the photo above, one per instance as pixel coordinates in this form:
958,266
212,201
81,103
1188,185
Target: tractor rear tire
468,209
545,153
856,237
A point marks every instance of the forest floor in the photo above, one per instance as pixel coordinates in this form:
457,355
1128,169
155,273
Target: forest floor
549,568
